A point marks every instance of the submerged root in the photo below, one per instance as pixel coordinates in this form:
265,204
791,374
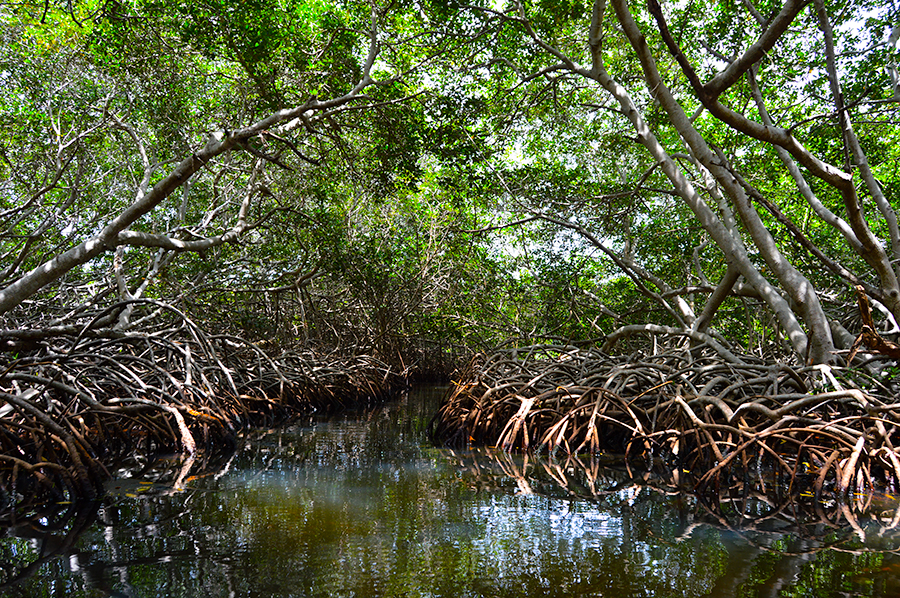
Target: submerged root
725,426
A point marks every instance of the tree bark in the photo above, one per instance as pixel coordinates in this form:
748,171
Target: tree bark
731,247
820,346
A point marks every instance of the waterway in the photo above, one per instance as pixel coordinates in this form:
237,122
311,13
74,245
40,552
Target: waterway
362,506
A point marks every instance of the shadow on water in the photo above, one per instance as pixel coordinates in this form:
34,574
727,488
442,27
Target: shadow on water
361,506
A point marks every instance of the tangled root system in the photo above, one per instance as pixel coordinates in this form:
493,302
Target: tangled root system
86,401
723,426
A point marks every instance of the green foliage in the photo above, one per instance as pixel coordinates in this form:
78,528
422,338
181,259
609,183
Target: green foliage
398,204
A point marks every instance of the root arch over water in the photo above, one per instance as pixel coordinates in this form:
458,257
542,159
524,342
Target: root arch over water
83,400
805,432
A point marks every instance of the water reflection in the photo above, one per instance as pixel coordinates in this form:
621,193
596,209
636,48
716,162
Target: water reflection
361,506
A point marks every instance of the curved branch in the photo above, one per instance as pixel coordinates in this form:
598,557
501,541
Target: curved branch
694,335
774,135
217,145
684,315
801,291
730,245
850,138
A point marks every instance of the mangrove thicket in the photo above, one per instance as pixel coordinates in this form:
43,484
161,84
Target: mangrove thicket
661,229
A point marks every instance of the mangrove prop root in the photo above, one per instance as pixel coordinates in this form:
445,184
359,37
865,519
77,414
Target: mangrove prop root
84,400
726,426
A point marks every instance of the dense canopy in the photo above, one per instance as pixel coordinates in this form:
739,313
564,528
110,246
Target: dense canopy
398,178
200,200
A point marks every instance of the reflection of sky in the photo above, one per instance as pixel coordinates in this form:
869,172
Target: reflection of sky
349,509
535,521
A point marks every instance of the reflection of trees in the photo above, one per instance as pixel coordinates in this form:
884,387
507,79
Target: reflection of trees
771,546
41,539
364,508
142,537
50,541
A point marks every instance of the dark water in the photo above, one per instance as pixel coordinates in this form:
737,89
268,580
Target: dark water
361,506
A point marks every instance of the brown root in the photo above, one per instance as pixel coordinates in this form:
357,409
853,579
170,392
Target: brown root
85,401
765,427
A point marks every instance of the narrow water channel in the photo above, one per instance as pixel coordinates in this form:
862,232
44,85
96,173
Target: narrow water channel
362,506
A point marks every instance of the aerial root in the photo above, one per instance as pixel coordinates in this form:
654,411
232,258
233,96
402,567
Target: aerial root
84,403
803,432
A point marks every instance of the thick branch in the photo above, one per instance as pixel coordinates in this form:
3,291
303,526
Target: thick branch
730,246
773,135
718,296
850,138
792,281
806,191
770,35
108,237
